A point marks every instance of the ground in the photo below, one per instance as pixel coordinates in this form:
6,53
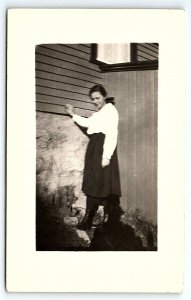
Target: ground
54,235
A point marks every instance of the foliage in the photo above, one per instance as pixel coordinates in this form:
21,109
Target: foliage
145,230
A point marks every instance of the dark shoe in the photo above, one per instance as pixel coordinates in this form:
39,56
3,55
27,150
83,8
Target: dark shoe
87,220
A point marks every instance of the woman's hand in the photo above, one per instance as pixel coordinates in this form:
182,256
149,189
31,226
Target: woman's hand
69,109
105,162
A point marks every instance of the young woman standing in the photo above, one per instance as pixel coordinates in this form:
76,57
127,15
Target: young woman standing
101,181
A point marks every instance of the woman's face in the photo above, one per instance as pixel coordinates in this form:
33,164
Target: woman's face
98,100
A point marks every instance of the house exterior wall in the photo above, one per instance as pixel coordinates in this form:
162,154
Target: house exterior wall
64,74
136,100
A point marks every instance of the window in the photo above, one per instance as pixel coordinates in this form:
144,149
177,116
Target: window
125,57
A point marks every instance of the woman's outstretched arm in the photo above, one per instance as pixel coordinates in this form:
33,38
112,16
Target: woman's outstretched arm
84,122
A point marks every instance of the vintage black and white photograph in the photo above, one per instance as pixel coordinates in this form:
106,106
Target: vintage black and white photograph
96,146
95,150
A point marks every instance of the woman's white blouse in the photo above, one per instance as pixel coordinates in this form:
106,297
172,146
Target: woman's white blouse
106,121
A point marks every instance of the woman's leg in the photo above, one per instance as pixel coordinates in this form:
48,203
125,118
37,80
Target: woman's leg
102,215
111,208
91,208
92,203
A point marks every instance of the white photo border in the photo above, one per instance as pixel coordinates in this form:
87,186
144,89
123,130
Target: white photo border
32,271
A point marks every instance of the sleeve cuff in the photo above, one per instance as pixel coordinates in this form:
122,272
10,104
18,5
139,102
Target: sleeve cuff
106,157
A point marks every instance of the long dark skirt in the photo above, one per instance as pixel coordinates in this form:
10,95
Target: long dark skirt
98,181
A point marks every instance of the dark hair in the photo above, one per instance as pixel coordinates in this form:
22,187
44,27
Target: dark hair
98,88
110,100
101,89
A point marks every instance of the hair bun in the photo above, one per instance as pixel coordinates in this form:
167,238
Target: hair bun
110,100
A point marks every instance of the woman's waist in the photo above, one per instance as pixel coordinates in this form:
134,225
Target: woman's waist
97,135
96,140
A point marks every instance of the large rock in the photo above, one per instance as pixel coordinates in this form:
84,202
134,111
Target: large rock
60,154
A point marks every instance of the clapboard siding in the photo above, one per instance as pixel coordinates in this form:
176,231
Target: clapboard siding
146,51
63,79
62,101
146,48
143,56
152,46
64,75
57,109
59,85
70,65
81,47
61,71
61,93
86,46
147,54
73,59
67,50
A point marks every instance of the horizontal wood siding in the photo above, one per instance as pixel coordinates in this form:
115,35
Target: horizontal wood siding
147,51
58,109
64,74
